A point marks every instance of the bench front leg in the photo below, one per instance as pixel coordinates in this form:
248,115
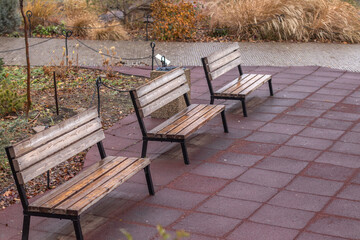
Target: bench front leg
270,88
26,227
223,117
77,227
185,154
149,180
243,107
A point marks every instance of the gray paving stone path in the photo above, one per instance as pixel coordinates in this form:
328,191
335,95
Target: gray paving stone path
339,56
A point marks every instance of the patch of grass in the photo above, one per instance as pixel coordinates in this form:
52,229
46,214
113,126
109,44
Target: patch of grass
111,32
320,20
43,11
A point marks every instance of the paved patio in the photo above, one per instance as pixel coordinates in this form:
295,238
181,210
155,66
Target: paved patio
288,171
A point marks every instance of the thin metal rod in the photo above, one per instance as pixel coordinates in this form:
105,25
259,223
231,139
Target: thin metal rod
48,179
77,228
244,107
98,85
208,78
56,95
29,15
240,69
26,227
144,148
152,45
223,117
187,101
140,120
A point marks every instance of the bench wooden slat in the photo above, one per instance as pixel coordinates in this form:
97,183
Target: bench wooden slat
179,127
223,61
56,144
61,156
225,68
159,81
177,117
221,53
164,89
162,101
171,125
76,182
110,185
242,84
93,183
201,121
256,85
243,78
242,89
42,137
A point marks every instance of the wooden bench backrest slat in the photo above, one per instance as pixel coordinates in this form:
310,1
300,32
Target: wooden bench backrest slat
43,151
223,52
222,61
165,99
60,156
55,145
159,81
42,137
161,91
220,71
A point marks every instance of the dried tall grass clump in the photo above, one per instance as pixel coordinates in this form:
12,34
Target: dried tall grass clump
73,8
43,12
82,24
323,20
110,32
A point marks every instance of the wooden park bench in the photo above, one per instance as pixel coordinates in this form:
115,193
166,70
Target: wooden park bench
223,61
45,150
159,92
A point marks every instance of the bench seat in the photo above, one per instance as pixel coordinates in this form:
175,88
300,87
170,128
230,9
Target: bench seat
89,186
243,85
187,121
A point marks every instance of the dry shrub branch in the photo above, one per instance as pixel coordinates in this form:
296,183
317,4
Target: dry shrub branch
324,20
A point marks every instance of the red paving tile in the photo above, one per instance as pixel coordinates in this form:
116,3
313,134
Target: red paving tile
328,171
302,201
225,171
207,224
199,184
247,191
296,153
282,165
321,133
281,128
341,227
272,177
229,207
282,217
176,198
314,186
250,230
266,178
345,208
340,159
245,160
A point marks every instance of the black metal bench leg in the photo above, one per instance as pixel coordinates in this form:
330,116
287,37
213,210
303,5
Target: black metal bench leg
144,148
212,100
223,117
77,228
270,87
244,107
185,154
149,180
26,227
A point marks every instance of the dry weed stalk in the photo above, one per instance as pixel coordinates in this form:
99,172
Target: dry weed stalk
324,20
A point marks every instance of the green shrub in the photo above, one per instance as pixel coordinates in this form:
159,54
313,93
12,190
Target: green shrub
49,30
9,16
1,65
10,101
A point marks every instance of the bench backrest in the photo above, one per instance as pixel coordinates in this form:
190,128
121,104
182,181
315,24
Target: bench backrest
160,91
222,61
43,151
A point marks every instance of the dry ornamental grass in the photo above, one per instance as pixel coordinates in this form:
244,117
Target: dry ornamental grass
305,20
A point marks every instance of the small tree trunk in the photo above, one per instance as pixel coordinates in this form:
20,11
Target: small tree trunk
28,96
